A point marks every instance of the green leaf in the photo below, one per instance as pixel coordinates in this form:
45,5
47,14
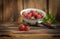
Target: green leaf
49,17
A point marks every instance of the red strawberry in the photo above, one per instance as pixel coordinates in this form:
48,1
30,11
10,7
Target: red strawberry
42,15
48,22
21,27
33,12
25,14
38,16
29,15
26,28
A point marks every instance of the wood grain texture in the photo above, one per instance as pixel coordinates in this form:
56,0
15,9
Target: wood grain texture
1,10
32,36
28,3
20,7
53,7
25,36
35,33
40,4
58,12
9,10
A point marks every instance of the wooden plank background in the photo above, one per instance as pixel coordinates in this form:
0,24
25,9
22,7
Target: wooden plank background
1,10
54,8
10,9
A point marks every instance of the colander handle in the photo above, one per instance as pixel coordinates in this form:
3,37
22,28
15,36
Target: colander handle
48,26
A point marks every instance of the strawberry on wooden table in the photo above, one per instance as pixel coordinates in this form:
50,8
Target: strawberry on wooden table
26,28
21,27
48,22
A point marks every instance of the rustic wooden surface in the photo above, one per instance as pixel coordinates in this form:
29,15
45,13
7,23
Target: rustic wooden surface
33,30
11,31
30,36
13,28
33,33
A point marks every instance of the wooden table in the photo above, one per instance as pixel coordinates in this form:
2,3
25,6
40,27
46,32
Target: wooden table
11,31
33,33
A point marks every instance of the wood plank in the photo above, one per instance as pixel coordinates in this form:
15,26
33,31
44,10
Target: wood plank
29,4
33,36
53,7
20,7
1,10
33,30
6,9
58,12
40,4
9,10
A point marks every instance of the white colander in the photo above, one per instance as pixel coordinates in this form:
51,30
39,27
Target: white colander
30,21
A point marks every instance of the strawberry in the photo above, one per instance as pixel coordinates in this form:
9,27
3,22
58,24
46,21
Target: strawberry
42,15
26,28
29,15
38,16
33,12
21,27
25,14
48,22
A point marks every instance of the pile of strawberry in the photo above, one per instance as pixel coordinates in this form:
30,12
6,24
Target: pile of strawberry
23,27
33,15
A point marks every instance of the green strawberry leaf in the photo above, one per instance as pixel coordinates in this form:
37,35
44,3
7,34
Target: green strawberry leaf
49,17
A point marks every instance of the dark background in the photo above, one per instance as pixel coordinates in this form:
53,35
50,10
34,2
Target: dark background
10,9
